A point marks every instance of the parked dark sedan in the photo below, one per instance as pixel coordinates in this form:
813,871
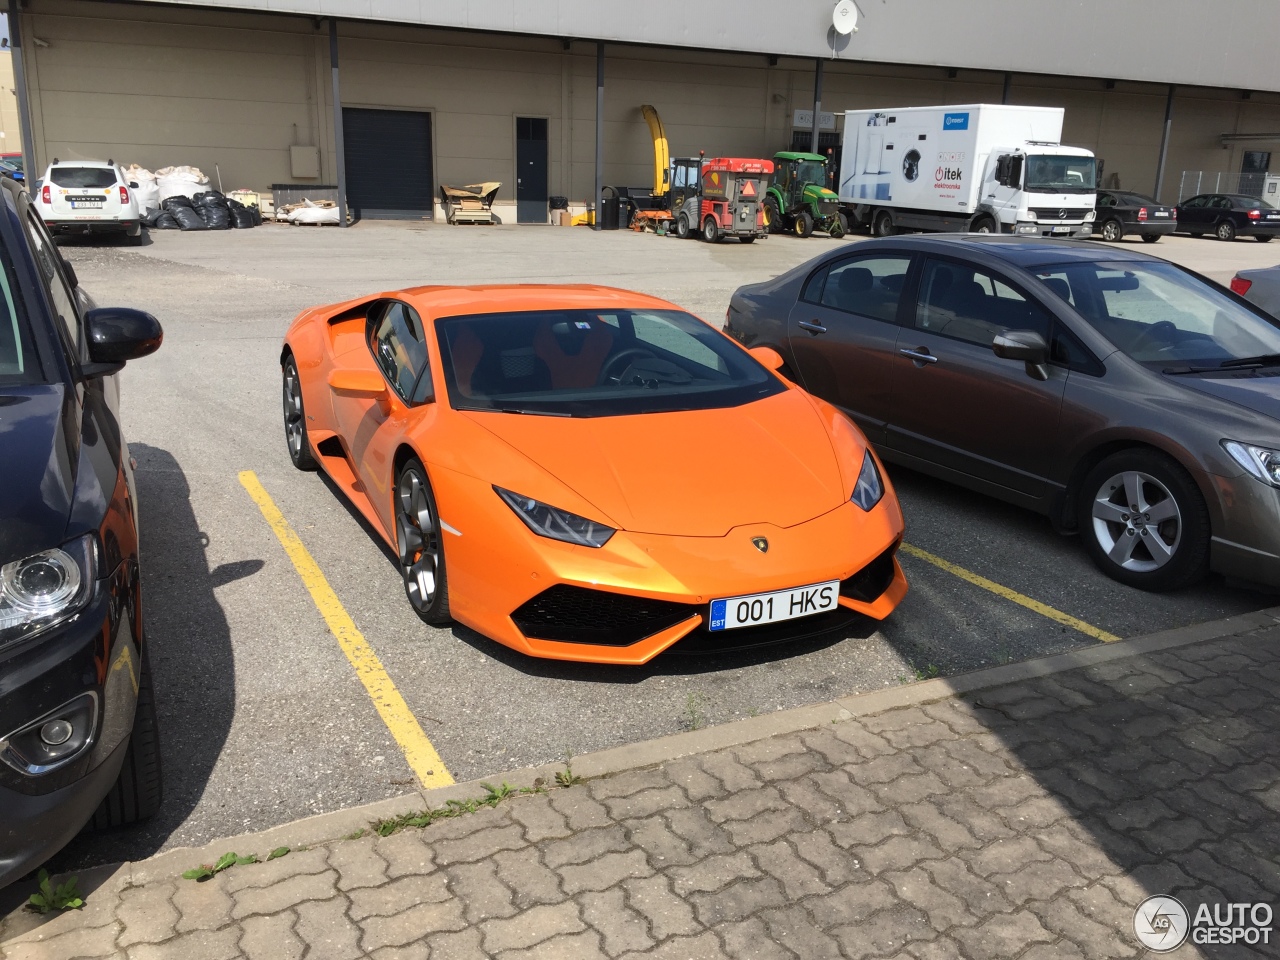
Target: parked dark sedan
78,736
1127,398
1119,213
1227,216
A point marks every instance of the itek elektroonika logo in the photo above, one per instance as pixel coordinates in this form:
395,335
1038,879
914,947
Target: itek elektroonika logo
1161,923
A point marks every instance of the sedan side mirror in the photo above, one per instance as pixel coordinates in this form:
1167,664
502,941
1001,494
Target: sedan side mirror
1025,345
116,335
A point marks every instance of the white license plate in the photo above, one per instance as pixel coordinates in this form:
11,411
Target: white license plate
86,204
1160,213
1061,229
759,608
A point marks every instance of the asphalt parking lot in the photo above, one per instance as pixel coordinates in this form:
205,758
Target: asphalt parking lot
263,717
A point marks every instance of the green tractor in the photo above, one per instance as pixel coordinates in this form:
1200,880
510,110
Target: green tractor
798,199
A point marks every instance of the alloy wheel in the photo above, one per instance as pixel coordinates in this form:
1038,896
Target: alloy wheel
418,540
1136,521
293,424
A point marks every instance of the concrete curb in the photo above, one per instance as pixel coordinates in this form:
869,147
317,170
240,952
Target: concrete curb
342,823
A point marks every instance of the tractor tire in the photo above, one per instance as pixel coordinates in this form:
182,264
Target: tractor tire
803,226
683,230
710,230
839,226
772,216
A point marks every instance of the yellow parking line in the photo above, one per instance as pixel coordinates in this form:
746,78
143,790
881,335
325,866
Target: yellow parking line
1002,591
423,759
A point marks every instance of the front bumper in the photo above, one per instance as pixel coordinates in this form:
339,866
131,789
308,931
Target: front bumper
1049,229
94,652
490,589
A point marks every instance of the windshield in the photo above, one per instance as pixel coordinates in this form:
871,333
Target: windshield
588,363
99,177
17,354
1054,174
1163,316
811,171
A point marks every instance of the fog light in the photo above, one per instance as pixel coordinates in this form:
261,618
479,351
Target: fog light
1032,228
56,732
1086,230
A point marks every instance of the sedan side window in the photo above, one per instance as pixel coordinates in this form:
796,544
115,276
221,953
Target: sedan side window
400,349
972,305
868,286
60,293
1196,202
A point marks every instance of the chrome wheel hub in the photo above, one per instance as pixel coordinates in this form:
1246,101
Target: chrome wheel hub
1136,521
418,540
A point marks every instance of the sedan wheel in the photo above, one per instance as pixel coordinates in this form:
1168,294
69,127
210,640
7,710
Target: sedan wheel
1226,230
1112,231
295,418
1144,521
418,545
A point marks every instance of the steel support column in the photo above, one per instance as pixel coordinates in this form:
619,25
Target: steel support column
339,142
817,103
1164,142
599,130
1008,84
24,103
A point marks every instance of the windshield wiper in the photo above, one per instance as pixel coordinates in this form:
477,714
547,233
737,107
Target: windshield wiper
534,413
1262,360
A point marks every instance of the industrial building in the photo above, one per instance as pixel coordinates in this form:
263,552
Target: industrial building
545,96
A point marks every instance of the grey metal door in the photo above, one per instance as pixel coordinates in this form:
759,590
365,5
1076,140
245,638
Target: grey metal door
388,155
531,170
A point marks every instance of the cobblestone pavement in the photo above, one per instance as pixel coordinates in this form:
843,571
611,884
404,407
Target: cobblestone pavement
1023,820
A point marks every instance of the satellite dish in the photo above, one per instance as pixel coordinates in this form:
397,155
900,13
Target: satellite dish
845,17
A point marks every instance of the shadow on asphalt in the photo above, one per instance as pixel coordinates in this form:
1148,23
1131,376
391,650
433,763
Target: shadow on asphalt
191,656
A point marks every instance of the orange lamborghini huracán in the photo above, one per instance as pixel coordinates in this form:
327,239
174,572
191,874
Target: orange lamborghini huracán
589,474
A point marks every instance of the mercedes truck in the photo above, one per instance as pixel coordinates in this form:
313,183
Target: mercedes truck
983,168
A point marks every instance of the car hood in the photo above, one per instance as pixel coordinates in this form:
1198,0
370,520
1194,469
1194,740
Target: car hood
1260,394
690,473
38,478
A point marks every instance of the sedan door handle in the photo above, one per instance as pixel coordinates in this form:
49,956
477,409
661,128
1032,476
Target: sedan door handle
919,354
813,326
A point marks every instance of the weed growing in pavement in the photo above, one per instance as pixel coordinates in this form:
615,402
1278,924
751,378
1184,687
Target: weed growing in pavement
928,673
355,834
566,777
452,808
64,896
694,717
227,860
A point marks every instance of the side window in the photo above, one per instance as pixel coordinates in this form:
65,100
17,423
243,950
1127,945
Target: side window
1106,200
1221,203
868,286
662,333
966,304
1195,202
400,349
60,293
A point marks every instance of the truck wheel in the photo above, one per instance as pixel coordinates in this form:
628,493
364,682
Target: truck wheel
682,227
1112,231
1226,230
710,230
882,224
984,225
772,216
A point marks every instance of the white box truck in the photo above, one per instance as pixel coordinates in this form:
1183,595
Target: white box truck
984,168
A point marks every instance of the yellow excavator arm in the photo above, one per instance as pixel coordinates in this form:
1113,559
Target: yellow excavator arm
661,153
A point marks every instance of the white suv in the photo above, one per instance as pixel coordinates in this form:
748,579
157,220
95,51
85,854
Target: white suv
89,196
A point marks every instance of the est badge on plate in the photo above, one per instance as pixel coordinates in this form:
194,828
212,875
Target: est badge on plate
759,608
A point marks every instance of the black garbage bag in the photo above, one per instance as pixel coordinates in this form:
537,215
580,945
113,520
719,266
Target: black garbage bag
209,198
187,217
241,218
164,221
215,216
257,216
169,204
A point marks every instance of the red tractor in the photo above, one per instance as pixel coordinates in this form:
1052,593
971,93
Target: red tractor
723,197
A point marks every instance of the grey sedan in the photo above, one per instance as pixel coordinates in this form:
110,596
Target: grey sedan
1122,396
1260,287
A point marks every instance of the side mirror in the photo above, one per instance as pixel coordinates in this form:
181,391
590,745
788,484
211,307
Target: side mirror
1025,345
133,184
1015,173
116,335
768,357
358,383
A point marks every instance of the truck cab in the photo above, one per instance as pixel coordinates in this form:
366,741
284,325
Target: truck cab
1039,190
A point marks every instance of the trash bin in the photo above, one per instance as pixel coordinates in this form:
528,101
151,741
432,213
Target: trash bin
609,210
558,203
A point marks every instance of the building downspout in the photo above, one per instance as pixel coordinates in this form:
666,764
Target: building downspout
339,143
599,130
24,102
1164,142
817,103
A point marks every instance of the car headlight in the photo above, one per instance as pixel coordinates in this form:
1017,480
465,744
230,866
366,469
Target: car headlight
548,521
46,588
1090,216
869,488
1262,463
